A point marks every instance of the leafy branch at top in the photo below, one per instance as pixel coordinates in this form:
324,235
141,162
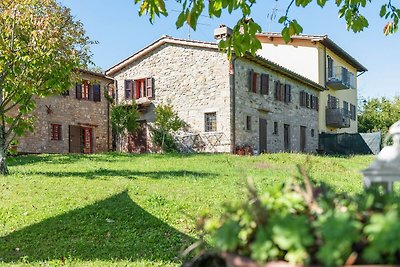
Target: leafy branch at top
243,38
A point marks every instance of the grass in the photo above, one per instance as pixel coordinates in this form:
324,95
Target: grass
133,210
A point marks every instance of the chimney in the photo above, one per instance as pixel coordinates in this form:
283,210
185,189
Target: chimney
222,32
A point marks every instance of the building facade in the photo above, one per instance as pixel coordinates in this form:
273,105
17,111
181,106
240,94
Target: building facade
318,58
74,122
246,102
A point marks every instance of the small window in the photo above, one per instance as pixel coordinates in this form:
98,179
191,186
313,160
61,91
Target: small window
248,123
55,131
85,90
312,132
275,127
210,121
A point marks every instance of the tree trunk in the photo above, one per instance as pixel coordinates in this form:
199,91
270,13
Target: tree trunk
3,161
3,152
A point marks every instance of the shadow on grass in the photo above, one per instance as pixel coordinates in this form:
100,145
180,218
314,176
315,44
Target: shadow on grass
128,174
106,157
112,229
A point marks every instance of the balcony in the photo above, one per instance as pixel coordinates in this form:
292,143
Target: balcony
337,117
339,78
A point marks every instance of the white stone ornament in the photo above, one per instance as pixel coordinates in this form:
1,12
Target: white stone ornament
385,169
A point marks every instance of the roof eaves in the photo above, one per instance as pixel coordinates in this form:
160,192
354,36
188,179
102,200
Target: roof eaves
276,67
98,74
163,40
343,54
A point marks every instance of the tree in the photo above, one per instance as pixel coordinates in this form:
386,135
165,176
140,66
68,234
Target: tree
166,123
243,38
378,114
124,118
41,46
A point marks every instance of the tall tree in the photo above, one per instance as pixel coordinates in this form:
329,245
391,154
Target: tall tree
41,46
243,38
378,114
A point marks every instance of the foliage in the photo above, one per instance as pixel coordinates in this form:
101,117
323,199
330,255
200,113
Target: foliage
166,123
302,224
243,39
70,206
378,114
40,48
124,118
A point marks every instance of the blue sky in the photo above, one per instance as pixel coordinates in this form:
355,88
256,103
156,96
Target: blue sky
115,24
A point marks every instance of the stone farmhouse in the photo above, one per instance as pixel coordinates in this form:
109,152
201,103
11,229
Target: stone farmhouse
248,102
74,122
326,64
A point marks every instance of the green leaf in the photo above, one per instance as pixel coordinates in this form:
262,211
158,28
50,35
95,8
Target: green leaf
383,11
226,237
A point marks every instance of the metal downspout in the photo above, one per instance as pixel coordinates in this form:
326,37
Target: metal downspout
233,105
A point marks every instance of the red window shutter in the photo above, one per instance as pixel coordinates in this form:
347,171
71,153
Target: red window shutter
250,82
78,91
137,84
255,84
150,88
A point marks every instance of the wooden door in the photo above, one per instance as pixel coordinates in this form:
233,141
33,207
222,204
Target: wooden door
262,135
87,137
302,138
138,143
286,137
75,139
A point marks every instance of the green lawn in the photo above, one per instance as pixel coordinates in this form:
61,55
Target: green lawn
133,210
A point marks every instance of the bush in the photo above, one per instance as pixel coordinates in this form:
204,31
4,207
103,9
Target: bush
166,123
304,225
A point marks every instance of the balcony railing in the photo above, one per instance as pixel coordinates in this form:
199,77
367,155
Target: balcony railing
339,78
337,117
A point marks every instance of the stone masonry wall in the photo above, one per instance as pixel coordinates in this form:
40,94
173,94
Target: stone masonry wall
193,80
67,110
257,105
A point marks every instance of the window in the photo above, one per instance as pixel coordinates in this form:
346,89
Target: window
135,89
312,132
248,123
288,93
55,131
264,84
353,112
283,92
345,76
210,122
333,102
352,80
254,81
308,100
346,108
87,91
275,127
330,67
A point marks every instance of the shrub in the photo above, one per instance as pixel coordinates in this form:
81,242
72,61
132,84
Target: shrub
301,224
166,123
